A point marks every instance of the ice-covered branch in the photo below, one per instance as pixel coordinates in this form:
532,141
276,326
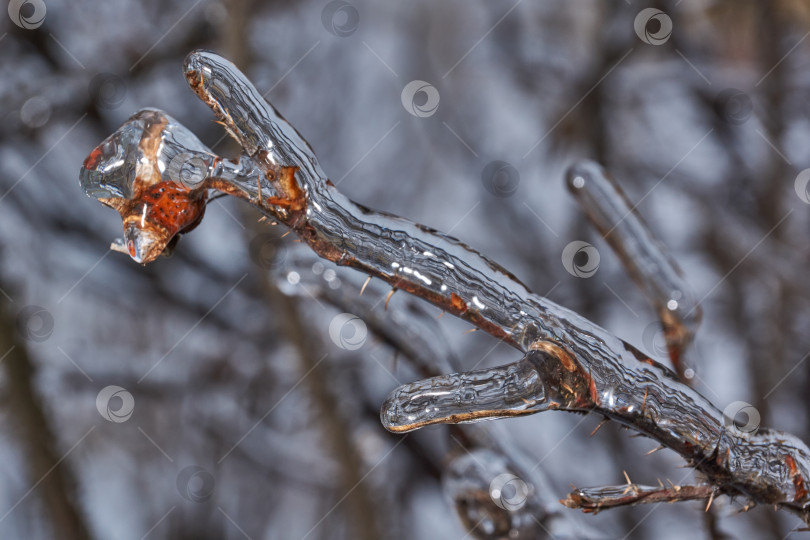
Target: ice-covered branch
593,500
569,362
495,491
409,329
642,255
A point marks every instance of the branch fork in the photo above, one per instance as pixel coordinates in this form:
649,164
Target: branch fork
568,363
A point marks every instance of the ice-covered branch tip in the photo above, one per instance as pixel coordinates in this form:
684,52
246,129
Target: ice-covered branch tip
569,362
642,255
156,174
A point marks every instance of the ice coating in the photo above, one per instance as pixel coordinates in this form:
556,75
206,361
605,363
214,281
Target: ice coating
409,329
155,173
578,366
412,257
595,499
510,390
583,367
641,253
488,458
143,152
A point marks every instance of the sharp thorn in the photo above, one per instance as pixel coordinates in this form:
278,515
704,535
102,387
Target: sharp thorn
363,288
711,499
604,421
654,450
470,331
388,298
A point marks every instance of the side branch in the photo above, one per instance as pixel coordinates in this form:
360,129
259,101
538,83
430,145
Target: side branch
642,255
593,500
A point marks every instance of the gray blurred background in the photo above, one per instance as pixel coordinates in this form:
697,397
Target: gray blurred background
235,415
